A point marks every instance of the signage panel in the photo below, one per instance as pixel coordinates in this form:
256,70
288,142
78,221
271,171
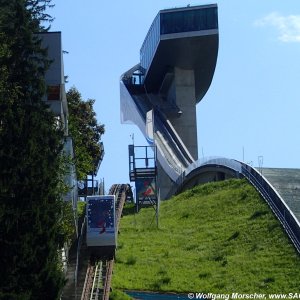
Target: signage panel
101,220
145,188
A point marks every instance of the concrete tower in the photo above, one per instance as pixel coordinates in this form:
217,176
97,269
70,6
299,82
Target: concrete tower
177,63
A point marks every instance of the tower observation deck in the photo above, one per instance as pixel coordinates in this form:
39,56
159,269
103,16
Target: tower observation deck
177,62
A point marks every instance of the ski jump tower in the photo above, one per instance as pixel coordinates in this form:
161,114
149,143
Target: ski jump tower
159,95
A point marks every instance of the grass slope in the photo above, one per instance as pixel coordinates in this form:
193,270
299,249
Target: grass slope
215,238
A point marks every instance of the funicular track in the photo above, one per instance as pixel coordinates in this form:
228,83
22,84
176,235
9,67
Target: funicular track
97,283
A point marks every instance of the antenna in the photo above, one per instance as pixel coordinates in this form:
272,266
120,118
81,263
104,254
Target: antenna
132,137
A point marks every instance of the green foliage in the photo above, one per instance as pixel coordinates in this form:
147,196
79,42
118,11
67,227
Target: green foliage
219,238
86,133
118,295
68,225
38,11
129,209
31,173
131,260
81,209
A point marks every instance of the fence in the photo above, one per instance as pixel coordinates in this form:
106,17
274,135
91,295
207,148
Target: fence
288,220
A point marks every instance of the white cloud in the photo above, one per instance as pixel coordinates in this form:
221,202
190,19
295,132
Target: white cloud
288,26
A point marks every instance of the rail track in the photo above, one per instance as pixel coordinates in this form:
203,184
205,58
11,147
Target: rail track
97,284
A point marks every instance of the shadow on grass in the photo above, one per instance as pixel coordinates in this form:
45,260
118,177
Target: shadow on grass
129,209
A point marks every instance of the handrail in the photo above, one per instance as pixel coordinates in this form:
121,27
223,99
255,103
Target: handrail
209,161
286,217
174,145
179,142
283,213
161,123
169,129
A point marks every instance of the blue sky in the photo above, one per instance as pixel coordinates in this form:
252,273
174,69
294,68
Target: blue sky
253,104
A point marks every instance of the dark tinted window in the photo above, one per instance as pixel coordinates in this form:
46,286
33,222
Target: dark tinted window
189,20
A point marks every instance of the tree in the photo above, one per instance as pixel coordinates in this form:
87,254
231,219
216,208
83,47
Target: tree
31,175
86,133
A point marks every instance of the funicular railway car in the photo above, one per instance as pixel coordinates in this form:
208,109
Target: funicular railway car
101,225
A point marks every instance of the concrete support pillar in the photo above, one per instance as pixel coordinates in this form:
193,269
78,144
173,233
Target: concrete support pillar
164,182
181,93
186,124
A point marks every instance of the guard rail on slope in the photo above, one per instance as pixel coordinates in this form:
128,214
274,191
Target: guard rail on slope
286,217
172,153
183,152
276,203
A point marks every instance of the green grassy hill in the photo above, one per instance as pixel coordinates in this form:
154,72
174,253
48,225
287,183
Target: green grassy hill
215,238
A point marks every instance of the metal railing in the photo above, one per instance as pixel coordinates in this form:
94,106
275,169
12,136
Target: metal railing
283,213
209,161
286,217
